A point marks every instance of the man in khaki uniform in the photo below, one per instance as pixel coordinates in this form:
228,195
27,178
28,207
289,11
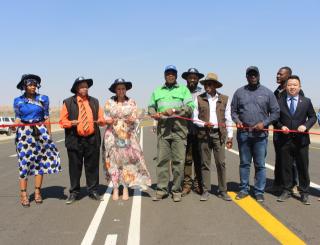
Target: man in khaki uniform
167,101
213,116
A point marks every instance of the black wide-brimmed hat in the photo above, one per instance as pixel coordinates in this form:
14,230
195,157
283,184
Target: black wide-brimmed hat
212,77
81,80
120,81
25,77
192,71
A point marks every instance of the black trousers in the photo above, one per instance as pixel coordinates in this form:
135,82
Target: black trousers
192,156
291,152
87,155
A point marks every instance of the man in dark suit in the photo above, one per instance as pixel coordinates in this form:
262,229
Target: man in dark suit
296,113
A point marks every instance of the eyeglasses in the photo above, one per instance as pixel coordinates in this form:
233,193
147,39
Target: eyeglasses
29,82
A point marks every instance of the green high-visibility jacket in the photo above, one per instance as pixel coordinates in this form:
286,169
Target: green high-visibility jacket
175,97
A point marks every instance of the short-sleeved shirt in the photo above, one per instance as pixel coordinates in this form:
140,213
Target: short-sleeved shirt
31,111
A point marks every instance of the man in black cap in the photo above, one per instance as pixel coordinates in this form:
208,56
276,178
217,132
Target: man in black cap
253,108
192,76
80,117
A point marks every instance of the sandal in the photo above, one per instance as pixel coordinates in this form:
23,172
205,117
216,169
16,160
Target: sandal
24,199
38,197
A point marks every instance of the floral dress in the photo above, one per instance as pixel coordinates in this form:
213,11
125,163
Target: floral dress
122,155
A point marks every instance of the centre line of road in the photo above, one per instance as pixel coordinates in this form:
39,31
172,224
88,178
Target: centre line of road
267,220
111,239
60,140
312,184
134,226
14,155
94,225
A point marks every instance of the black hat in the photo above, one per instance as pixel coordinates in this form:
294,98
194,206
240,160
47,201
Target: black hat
80,80
192,71
252,68
25,77
120,81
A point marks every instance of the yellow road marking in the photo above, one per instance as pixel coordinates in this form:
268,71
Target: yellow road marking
267,221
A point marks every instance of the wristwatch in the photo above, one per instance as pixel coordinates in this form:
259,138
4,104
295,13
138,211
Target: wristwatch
174,110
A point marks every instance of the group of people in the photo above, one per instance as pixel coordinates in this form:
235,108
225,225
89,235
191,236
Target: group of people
192,123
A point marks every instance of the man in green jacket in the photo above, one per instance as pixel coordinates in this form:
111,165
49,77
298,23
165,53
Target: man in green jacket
168,101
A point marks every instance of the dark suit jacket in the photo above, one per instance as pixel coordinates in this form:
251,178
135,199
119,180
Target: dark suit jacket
304,115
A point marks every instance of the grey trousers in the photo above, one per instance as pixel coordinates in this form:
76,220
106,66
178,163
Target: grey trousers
212,143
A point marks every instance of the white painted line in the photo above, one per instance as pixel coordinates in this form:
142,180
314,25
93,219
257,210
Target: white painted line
60,140
111,239
94,225
134,227
14,155
313,185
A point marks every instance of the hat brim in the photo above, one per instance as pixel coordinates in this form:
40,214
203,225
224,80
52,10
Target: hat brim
127,84
218,84
75,84
30,76
185,75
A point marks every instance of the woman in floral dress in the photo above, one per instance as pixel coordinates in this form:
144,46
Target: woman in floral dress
122,154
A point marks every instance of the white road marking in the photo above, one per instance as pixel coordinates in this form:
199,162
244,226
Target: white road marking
134,226
60,140
14,155
313,185
94,225
111,239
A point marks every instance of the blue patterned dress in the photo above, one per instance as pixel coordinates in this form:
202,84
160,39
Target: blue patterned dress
37,154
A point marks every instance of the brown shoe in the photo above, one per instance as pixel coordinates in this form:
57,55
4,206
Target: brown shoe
197,190
186,190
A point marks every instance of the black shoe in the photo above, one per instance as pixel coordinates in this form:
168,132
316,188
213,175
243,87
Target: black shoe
204,196
241,195
95,196
260,198
72,198
305,199
284,196
224,195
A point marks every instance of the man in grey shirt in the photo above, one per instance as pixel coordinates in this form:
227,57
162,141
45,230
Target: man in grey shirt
253,108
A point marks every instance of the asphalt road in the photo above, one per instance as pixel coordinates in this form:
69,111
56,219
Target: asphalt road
141,221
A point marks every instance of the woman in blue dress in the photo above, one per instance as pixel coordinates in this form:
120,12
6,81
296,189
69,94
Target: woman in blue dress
37,154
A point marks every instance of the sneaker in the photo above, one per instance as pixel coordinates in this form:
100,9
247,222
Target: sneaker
305,199
241,195
159,195
224,196
176,196
72,198
284,196
204,196
260,198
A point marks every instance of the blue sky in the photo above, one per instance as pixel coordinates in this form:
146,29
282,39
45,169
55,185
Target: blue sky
104,40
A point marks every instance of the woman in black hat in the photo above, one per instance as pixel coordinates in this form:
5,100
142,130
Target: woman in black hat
37,154
123,158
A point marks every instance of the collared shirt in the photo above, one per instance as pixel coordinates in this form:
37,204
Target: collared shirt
66,123
28,110
295,101
196,92
213,114
251,106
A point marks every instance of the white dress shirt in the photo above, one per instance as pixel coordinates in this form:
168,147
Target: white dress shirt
213,115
